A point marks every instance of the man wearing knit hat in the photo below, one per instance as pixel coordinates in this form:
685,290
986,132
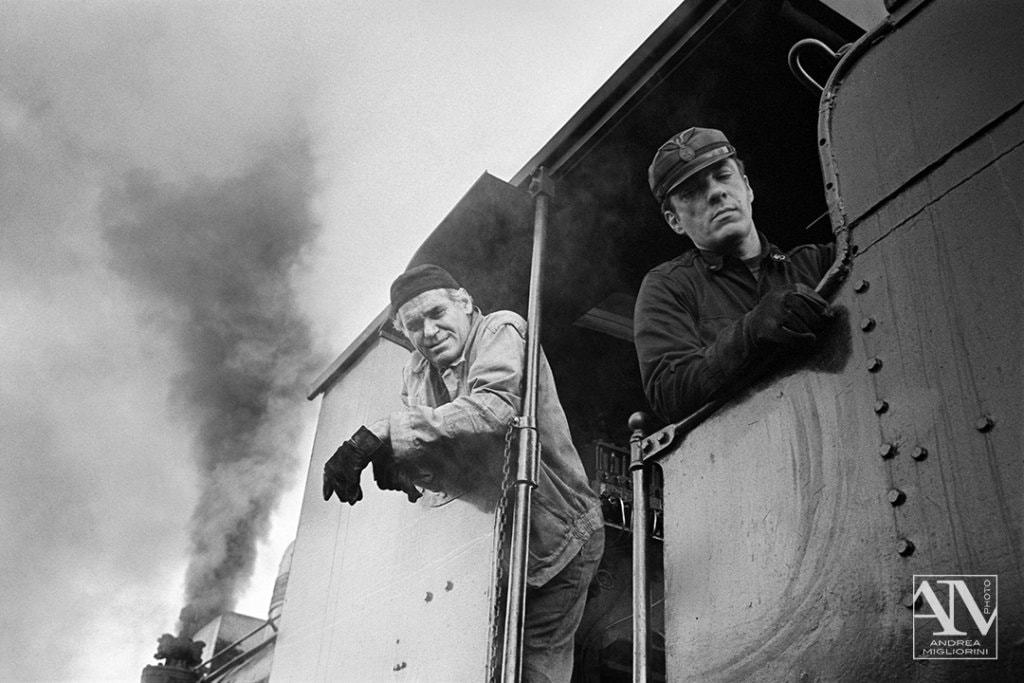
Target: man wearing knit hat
705,319
461,388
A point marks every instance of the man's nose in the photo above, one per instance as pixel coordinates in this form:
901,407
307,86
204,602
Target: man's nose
716,192
429,328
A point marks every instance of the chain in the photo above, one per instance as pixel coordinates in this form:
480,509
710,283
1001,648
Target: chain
501,554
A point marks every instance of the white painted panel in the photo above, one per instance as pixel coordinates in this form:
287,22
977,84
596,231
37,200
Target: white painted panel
383,590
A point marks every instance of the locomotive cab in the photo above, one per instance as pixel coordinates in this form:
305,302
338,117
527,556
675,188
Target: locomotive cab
785,529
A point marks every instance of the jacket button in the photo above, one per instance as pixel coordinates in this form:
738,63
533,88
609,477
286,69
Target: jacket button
779,257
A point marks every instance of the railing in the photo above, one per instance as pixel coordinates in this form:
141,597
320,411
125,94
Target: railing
241,657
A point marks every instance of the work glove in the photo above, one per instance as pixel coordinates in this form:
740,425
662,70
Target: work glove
390,475
790,315
342,471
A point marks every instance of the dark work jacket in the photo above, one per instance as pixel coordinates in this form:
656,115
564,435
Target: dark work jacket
690,322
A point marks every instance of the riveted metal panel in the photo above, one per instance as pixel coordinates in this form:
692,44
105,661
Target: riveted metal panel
384,590
941,73
797,516
779,540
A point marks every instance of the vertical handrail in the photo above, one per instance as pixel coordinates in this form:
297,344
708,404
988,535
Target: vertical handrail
542,189
641,602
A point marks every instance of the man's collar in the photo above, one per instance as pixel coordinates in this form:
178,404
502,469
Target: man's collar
715,260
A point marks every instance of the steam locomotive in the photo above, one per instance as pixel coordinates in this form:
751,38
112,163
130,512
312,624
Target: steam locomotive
803,529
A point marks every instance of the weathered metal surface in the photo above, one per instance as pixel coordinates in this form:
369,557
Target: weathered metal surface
383,590
797,516
943,73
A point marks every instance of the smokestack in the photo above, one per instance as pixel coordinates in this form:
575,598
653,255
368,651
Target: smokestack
182,655
189,621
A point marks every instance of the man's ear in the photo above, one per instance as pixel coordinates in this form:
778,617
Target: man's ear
465,300
750,190
673,221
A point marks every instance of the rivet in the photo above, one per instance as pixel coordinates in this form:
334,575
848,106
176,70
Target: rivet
874,365
919,453
984,424
430,596
904,547
867,324
861,286
896,497
909,601
881,406
449,585
887,450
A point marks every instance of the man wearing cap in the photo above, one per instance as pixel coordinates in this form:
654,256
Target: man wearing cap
461,388
705,320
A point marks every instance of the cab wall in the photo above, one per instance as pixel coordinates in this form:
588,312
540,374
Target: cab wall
383,590
785,556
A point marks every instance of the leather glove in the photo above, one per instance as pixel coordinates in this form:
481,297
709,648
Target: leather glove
790,315
392,476
342,471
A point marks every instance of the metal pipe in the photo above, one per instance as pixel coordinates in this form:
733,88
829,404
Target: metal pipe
238,658
542,189
641,612
268,622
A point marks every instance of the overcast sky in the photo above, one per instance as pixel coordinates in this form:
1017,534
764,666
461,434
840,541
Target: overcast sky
201,205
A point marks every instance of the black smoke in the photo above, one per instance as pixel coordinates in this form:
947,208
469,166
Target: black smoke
216,257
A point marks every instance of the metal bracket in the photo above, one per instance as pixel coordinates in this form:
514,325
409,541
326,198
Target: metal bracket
541,183
525,422
656,443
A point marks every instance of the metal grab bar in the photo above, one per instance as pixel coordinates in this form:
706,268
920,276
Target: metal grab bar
793,58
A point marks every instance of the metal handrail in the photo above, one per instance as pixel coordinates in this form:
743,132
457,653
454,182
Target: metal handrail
269,622
542,190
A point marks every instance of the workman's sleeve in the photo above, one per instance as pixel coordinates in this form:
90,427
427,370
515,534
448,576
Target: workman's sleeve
679,372
473,424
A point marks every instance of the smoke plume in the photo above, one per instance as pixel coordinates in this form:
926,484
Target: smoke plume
216,258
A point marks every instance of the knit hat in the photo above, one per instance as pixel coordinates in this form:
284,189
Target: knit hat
417,280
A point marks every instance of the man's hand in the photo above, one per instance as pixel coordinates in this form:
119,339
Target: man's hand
392,476
790,315
342,471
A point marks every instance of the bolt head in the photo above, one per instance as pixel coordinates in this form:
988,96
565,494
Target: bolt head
861,286
874,365
919,453
881,406
887,450
984,424
904,547
896,497
909,601
867,324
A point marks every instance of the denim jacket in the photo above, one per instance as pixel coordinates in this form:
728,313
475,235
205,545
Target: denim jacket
484,386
